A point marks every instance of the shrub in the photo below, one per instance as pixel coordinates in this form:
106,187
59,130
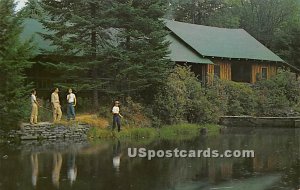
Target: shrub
135,114
183,99
241,98
278,95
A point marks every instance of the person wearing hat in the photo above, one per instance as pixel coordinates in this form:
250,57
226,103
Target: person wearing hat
34,108
116,116
57,113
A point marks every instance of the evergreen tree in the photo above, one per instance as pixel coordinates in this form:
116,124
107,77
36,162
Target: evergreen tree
14,56
79,29
116,47
142,64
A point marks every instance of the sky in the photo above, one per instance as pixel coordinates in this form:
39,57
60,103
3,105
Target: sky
20,4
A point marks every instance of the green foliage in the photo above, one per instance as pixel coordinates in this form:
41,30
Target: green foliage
79,31
241,98
179,132
14,56
287,43
134,114
141,58
263,18
205,12
183,99
277,96
101,49
148,135
99,133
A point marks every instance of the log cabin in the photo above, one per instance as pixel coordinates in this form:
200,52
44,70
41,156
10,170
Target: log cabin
230,54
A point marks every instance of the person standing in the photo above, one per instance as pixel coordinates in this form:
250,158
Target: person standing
34,109
116,116
57,113
71,99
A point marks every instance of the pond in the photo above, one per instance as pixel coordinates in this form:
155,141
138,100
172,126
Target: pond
106,164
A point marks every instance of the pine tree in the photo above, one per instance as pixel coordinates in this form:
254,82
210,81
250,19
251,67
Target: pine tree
79,29
142,64
14,56
115,47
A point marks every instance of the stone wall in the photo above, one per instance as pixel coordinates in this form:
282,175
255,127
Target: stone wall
49,131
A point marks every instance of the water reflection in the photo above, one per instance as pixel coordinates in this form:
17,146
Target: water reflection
35,168
117,156
95,166
57,163
72,168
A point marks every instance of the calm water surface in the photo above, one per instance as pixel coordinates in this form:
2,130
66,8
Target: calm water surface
105,165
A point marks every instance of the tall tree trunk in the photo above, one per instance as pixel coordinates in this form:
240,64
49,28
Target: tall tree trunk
94,57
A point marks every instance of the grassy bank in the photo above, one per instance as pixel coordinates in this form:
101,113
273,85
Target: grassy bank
173,132
101,130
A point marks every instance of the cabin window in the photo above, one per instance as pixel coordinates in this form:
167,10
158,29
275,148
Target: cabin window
264,73
217,70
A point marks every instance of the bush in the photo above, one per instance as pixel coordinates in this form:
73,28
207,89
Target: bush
279,95
182,99
135,114
241,98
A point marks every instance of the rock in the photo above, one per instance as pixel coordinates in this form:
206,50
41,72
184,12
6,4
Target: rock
48,131
29,137
203,131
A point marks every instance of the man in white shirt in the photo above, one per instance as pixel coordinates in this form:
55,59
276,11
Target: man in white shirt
34,108
116,116
71,99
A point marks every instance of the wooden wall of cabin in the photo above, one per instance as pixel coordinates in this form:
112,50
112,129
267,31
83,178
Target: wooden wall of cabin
257,70
221,68
206,72
225,68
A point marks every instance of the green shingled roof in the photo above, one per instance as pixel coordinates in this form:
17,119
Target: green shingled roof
180,52
221,42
